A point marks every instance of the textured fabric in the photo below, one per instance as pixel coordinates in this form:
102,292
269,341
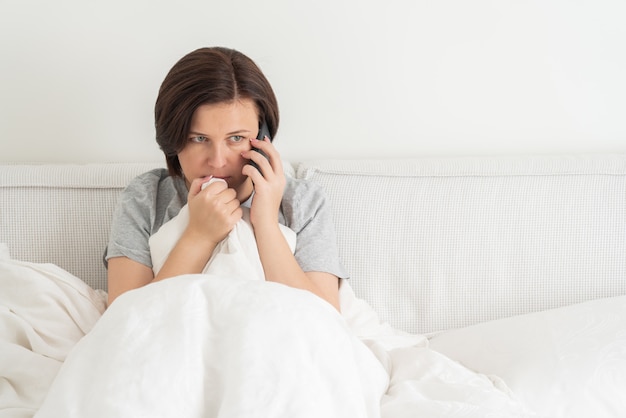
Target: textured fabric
61,214
437,244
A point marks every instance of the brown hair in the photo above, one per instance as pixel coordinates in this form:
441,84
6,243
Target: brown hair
207,76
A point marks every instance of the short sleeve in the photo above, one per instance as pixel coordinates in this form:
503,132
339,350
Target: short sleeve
307,212
150,200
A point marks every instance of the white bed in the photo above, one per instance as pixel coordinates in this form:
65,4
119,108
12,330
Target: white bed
494,288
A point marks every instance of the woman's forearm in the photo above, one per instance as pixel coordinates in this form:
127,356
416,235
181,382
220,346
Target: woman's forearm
189,256
280,265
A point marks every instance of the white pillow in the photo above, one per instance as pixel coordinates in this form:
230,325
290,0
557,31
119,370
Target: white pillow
568,362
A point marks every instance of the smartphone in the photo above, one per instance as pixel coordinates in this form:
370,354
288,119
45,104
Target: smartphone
263,132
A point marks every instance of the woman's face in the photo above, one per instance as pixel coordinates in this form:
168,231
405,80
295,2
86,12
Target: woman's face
219,134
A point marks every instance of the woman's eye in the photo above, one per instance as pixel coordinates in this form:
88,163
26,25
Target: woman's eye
236,138
198,139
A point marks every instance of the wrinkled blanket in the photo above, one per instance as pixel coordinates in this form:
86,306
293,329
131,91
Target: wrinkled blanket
219,344
44,312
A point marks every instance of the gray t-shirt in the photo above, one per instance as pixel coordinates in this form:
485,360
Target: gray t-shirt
155,197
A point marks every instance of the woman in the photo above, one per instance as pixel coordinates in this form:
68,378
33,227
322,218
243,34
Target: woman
219,345
208,113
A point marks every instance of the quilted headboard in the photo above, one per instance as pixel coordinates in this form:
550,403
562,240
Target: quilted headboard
434,244
61,214
431,244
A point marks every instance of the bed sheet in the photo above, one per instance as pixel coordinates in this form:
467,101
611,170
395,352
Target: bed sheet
568,362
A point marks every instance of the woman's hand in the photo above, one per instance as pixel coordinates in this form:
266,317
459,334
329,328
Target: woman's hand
213,212
269,183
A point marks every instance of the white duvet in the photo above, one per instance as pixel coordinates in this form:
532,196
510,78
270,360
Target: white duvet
224,343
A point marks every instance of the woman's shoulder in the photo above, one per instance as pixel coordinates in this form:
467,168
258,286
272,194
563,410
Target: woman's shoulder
303,191
153,183
150,178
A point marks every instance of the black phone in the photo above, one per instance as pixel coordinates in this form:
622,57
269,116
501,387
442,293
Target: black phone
263,132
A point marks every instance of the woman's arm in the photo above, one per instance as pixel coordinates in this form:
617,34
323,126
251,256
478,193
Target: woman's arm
188,256
279,263
125,274
213,212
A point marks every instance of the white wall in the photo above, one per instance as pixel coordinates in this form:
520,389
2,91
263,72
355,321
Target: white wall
354,79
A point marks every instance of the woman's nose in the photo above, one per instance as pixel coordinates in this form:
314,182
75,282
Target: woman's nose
217,156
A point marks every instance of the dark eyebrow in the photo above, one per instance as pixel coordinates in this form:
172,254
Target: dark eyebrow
239,132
